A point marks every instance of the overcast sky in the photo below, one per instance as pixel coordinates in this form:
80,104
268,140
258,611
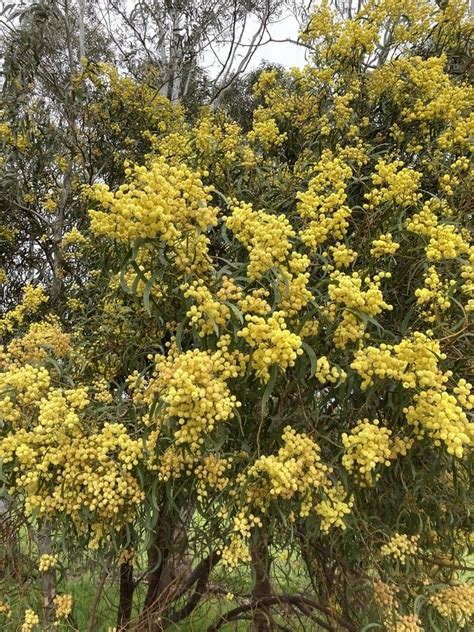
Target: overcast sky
284,53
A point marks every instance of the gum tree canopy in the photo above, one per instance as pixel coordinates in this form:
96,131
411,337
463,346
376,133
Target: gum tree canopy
261,345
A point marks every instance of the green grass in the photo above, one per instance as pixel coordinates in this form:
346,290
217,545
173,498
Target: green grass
288,576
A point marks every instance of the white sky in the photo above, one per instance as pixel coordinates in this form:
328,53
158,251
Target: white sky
284,53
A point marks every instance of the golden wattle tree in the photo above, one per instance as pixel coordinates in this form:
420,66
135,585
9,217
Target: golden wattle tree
266,352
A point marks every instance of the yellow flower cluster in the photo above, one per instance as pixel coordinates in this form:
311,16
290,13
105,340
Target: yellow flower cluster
229,290
207,314
73,237
30,621
21,386
406,623
174,462
237,549
393,183
211,474
59,466
446,184
427,95
265,130
346,294
62,606
219,142
323,203
164,202
75,304
326,373
440,415
310,328
400,546
434,294
455,603
464,394
445,240
5,609
384,596
297,472
266,237
5,130
368,445
293,290
467,274
320,24
342,106
193,388
49,204
458,135
126,556
236,552
255,302
384,245
334,507
41,339
204,138
342,255
349,39
271,342
47,562
413,362
100,391
33,298
267,82
123,92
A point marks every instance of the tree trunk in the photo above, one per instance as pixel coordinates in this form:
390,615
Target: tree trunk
82,11
48,578
158,555
127,587
167,563
261,564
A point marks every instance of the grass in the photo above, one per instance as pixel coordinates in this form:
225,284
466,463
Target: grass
229,587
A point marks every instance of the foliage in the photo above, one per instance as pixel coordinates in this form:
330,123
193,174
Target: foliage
261,338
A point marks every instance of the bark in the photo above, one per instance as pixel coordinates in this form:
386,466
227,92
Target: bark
82,10
48,578
262,588
199,577
158,570
127,588
168,566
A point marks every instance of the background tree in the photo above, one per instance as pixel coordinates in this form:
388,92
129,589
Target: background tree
175,40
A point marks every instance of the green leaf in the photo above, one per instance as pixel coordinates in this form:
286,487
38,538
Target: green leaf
148,287
312,357
269,388
179,335
235,310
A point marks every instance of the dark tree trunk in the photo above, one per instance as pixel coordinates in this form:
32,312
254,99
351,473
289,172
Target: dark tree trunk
168,566
127,588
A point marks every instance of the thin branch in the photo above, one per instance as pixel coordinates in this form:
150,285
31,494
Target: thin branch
298,601
95,602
